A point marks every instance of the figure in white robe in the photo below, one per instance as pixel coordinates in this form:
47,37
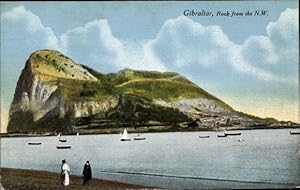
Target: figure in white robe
65,173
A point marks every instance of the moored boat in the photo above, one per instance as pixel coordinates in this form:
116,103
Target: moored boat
232,133
139,138
222,135
240,139
34,143
204,136
125,139
295,132
64,147
62,140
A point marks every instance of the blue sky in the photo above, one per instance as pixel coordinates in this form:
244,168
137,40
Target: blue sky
251,62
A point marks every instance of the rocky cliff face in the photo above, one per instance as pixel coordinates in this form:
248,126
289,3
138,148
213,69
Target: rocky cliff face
38,101
54,93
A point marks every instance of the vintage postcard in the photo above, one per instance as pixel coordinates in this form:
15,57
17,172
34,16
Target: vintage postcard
150,95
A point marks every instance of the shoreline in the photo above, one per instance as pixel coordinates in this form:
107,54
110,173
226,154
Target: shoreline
132,131
12,178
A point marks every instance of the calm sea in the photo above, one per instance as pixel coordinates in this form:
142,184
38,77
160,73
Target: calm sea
265,159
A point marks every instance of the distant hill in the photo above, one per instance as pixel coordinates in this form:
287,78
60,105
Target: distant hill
54,93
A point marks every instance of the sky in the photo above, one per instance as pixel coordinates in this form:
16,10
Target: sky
251,62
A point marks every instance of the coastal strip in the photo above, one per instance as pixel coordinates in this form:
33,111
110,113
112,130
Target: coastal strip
152,129
34,179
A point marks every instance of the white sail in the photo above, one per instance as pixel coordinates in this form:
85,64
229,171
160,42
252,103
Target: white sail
125,135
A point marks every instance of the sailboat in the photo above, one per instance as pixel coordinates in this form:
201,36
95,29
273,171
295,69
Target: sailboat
138,137
59,138
125,136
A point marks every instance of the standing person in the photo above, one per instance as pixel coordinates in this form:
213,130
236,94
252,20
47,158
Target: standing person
86,173
65,173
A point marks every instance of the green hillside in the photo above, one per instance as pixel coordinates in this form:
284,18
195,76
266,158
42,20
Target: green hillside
167,86
79,82
85,97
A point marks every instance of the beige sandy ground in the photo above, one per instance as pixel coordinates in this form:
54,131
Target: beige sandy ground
19,179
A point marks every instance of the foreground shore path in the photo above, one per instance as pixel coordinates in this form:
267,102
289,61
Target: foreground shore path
32,179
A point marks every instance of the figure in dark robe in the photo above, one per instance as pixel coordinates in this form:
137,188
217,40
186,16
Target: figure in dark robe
86,173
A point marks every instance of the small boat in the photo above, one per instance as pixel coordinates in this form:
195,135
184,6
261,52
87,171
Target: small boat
77,134
64,147
232,133
62,140
240,139
139,138
125,136
295,132
204,136
34,143
222,135
125,139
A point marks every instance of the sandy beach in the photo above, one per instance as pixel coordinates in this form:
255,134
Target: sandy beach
21,179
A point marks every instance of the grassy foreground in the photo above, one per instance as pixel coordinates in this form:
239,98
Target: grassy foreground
12,179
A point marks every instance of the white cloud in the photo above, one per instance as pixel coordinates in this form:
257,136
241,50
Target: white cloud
285,30
28,29
139,56
182,42
237,60
185,45
277,51
259,49
93,45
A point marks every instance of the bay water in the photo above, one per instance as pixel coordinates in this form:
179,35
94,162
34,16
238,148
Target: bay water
179,160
